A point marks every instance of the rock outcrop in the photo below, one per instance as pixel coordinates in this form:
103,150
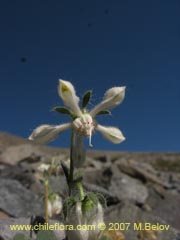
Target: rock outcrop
139,187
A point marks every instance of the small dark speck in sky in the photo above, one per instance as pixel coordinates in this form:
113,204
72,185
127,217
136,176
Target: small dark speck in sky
23,59
106,11
89,25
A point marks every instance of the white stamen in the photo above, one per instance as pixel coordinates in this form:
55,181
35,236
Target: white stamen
90,135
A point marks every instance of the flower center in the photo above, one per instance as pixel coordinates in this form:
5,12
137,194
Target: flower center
84,126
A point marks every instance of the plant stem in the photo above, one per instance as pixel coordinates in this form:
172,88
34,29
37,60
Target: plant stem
71,177
46,190
81,191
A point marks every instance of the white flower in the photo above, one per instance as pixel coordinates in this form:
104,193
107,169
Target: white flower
78,216
54,205
84,123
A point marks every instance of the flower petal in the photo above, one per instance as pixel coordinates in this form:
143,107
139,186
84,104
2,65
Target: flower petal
111,133
118,93
68,94
47,133
112,97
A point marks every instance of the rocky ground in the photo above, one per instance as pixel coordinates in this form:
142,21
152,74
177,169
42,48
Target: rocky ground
139,187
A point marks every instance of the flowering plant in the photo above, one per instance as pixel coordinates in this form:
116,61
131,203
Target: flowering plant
82,208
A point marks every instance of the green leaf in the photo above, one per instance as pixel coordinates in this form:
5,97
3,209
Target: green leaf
68,204
65,170
86,98
93,197
90,201
103,112
46,235
62,110
52,197
66,111
21,236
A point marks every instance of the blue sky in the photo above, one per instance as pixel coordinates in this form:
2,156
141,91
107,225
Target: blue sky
95,45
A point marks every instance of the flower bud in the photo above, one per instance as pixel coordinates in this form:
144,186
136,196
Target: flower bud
85,213
54,205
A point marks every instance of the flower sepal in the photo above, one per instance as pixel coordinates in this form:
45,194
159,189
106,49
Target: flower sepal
103,112
86,99
64,110
89,202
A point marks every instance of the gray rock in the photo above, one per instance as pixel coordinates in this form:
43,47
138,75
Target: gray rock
58,184
127,212
18,201
15,149
168,209
98,177
166,206
110,198
125,187
23,174
141,171
14,154
151,180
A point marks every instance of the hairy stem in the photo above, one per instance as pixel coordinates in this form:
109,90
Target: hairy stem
81,191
